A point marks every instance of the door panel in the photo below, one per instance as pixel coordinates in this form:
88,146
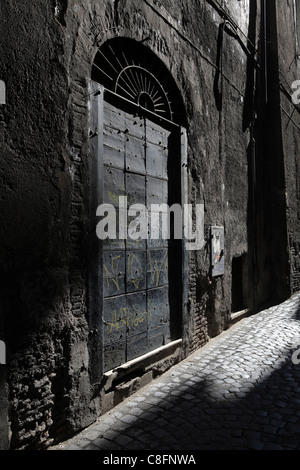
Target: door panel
135,274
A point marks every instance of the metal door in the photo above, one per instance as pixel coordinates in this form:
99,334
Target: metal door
139,295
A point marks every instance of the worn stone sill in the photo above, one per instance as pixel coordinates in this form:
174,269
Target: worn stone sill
145,361
236,316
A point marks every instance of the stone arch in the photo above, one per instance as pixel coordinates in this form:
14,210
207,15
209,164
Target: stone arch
132,70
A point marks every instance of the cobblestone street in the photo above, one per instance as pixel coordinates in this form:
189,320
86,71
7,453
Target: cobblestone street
240,392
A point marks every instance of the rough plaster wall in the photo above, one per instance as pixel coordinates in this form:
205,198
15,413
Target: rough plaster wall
4,427
35,203
44,185
218,149
289,72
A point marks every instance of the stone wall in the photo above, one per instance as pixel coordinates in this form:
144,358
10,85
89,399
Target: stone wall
289,71
210,52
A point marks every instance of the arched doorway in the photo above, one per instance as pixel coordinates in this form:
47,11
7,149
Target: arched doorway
137,287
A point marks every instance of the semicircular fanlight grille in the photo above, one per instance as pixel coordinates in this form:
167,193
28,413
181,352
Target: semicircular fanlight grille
141,86
132,71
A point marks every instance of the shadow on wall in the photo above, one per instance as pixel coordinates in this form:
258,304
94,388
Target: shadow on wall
4,429
225,28
35,320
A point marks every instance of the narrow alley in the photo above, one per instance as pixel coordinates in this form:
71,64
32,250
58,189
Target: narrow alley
239,392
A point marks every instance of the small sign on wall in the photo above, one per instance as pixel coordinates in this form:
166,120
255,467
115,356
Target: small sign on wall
217,251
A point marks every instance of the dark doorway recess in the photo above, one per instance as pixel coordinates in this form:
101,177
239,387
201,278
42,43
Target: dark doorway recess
238,297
